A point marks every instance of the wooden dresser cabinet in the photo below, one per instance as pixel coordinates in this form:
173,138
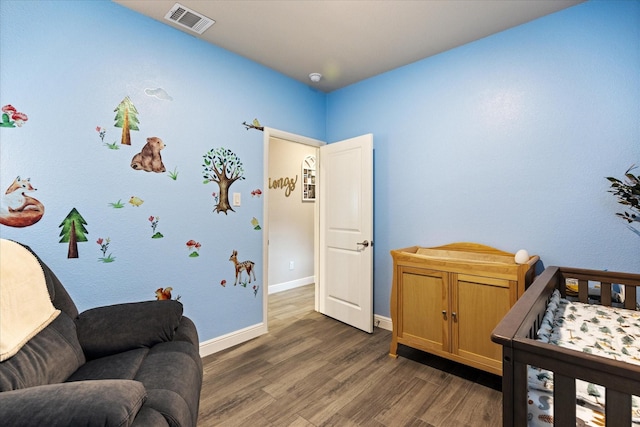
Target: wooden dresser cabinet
446,300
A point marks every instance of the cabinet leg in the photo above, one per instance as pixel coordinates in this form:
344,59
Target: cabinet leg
393,350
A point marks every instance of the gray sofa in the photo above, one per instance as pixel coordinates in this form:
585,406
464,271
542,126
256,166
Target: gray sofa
133,364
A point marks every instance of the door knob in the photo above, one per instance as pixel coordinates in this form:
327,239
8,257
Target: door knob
365,243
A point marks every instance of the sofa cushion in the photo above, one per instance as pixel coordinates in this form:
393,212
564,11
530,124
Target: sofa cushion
49,357
172,375
116,328
121,366
187,332
86,403
149,417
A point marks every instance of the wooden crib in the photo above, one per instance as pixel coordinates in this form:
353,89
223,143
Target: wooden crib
517,335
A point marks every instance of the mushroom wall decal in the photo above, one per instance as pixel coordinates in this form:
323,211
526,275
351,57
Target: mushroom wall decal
11,117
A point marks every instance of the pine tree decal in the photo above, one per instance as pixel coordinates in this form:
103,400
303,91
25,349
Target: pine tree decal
127,119
73,231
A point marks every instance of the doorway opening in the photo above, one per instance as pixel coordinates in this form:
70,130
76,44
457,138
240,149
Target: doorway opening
291,224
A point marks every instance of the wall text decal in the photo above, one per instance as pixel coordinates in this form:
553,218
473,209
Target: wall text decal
288,184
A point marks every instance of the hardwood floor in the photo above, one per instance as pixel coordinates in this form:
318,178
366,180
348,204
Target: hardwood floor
311,370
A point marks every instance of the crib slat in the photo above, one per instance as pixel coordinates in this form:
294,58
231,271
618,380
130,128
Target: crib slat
630,297
564,401
520,411
617,408
583,291
605,294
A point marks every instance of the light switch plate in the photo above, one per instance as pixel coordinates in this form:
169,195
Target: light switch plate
236,199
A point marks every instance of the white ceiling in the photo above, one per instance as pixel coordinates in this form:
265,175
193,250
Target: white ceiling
348,40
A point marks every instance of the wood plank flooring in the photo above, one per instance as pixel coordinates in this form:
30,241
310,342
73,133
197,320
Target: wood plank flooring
311,370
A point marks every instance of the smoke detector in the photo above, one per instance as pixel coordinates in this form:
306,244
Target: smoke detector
315,77
188,18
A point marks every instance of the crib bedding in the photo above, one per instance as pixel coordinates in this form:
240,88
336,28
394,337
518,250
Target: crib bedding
606,331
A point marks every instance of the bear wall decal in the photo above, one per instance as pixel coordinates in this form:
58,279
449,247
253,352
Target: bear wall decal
149,159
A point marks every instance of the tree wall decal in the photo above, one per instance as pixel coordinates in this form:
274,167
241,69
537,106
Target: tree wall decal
127,119
223,167
73,231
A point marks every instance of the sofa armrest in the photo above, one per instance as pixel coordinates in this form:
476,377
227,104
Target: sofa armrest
82,403
116,328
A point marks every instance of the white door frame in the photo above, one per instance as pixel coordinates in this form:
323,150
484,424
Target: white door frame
268,134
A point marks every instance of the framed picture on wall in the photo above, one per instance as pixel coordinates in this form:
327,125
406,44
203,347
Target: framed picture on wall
309,179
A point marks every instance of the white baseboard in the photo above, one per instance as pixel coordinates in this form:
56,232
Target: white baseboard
229,340
279,287
383,322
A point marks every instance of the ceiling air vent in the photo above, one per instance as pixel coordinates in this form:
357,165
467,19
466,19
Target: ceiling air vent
188,18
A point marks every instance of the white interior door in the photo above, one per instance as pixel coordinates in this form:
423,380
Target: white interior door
346,231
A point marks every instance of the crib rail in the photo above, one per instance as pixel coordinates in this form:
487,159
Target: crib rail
606,280
517,333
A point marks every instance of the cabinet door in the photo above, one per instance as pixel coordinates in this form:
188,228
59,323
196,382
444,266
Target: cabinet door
423,297
479,303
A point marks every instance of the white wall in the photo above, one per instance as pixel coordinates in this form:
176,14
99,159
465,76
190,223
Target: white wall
291,220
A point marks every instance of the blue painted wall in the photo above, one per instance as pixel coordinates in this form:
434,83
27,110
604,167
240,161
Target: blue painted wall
74,63
507,141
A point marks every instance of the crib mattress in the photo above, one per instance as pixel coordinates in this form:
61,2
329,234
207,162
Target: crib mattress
605,331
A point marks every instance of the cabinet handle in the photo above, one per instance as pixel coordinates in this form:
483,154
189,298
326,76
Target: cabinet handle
454,314
444,314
